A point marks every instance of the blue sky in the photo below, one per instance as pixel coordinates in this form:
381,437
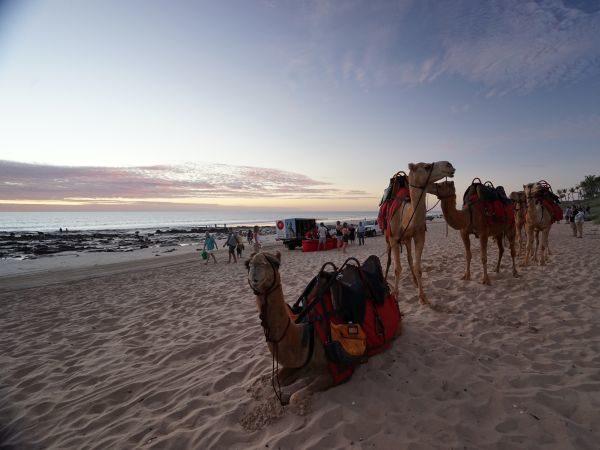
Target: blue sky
330,98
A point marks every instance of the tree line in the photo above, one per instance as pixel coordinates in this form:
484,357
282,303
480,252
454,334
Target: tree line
587,189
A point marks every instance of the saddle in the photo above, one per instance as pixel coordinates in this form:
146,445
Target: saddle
394,195
491,201
543,194
353,312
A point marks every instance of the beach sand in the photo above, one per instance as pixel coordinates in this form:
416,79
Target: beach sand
171,354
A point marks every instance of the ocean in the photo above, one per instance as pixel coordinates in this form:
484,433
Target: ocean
131,220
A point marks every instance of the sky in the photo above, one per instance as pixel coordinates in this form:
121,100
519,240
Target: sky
304,104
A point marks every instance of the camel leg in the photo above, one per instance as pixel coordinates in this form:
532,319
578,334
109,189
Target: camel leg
288,375
483,240
545,233
511,243
397,266
537,244
320,383
499,240
529,249
467,243
419,245
410,263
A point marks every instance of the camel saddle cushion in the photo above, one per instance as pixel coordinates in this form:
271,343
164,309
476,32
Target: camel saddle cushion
353,313
389,207
492,203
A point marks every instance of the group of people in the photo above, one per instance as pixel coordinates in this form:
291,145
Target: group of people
576,217
234,244
344,235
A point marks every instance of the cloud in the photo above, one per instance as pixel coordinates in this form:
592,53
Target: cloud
100,185
513,46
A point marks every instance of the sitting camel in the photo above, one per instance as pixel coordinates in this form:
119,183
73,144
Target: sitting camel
539,218
520,202
469,220
284,337
408,222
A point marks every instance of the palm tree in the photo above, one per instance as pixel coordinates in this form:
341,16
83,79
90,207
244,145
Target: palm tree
572,192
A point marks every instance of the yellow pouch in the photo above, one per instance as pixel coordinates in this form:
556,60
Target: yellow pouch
351,337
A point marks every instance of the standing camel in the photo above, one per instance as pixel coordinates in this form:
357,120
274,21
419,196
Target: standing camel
520,202
539,218
284,337
407,224
470,220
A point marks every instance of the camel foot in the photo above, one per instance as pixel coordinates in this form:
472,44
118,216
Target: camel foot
466,277
423,300
516,274
486,280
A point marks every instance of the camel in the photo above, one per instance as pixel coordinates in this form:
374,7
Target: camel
520,202
408,222
539,218
470,221
284,337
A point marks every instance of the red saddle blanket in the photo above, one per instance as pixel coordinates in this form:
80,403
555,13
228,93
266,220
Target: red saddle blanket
389,208
553,208
494,211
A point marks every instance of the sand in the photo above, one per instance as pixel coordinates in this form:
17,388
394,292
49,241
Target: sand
136,353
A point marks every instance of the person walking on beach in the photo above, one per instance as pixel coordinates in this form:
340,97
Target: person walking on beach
257,238
240,245
574,212
338,234
352,235
232,244
249,237
323,232
579,219
361,233
345,236
210,245
567,214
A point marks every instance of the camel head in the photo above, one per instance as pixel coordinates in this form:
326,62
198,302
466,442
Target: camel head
443,189
263,271
517,196
426,173
529,189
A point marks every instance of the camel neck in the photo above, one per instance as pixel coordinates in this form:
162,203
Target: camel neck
418,203
276,318
453,216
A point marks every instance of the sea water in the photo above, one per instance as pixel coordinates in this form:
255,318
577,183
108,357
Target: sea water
129,220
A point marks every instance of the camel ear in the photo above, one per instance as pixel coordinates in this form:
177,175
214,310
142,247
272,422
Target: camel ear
274,259
524,186
411,166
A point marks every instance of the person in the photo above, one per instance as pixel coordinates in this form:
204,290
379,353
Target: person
338,234
323,232
352,235
579,219
361,233
240,245
567,214
345,236
249,236
257,239
210,245
232,244
574,212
